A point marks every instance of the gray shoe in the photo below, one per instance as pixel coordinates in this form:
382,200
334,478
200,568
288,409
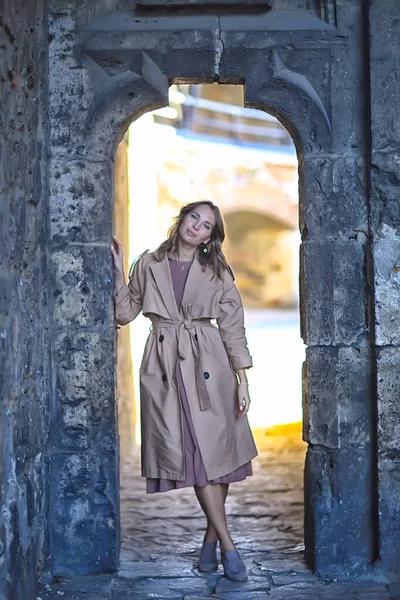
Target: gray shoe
234,567
208,558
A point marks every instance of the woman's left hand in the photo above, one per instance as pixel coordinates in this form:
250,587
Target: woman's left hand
243,399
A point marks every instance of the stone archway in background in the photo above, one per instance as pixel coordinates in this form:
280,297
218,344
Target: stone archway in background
118,66
260,253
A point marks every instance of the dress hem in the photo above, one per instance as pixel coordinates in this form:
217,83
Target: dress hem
186,484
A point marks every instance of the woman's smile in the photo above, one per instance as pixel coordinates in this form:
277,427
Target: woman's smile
191,233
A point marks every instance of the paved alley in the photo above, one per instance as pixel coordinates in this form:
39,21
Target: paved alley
162,534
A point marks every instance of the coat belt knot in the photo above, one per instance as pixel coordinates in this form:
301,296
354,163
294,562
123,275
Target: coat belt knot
191,327
187,316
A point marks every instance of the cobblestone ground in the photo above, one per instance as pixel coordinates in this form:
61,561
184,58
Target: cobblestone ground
162,533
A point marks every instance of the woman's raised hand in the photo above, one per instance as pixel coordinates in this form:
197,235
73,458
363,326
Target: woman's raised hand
117,254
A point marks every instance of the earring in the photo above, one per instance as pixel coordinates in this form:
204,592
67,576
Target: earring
204,248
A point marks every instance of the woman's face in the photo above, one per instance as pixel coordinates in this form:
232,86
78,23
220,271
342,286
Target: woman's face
197,226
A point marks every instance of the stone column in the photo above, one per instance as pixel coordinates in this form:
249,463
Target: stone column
89,114
324,111
337,396
25,366
384,28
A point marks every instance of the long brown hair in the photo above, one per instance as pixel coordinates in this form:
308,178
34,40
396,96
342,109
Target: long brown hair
214,257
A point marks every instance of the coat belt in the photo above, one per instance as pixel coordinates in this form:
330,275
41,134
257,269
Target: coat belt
187,325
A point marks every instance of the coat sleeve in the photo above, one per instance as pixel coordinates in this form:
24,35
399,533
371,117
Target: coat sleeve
231,325
128,299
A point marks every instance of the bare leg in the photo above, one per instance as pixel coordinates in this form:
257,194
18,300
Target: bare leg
211,535
212,499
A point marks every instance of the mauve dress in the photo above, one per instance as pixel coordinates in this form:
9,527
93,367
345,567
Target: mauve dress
195,473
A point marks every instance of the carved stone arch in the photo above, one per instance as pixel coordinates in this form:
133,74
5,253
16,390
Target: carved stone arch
119,67
121,98
276,84
298,108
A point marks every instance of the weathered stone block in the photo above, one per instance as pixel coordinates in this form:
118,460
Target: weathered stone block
281,25
8,357
85,511
120,98
85,378
69,85
388,386
145,569
27,433
336,397
24,339
8,295
167,589
386,251
348,81
332,279
384,48
389,513
81,201
338,515
82,286
333,200
385,182
282,82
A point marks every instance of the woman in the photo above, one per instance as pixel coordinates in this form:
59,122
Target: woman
193,385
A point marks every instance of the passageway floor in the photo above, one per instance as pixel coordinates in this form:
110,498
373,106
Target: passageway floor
161,535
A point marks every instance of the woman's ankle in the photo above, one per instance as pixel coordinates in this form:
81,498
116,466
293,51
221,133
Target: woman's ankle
210,539
211,536
226,546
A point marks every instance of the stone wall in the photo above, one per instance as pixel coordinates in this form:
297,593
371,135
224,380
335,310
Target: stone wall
108,64
384,25
24,341
84,135
328,72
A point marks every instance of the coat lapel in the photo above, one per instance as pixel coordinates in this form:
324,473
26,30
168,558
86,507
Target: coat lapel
193,282
162,275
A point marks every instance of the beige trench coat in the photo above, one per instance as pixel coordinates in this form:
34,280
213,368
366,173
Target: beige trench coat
207,354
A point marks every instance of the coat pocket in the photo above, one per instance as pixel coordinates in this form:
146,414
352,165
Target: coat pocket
218,350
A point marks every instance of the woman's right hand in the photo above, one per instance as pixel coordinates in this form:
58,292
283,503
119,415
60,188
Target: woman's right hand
117,254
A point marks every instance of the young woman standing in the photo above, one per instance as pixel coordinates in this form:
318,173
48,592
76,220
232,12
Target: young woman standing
193,386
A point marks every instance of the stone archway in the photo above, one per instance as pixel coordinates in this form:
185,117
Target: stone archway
262,255
117,66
